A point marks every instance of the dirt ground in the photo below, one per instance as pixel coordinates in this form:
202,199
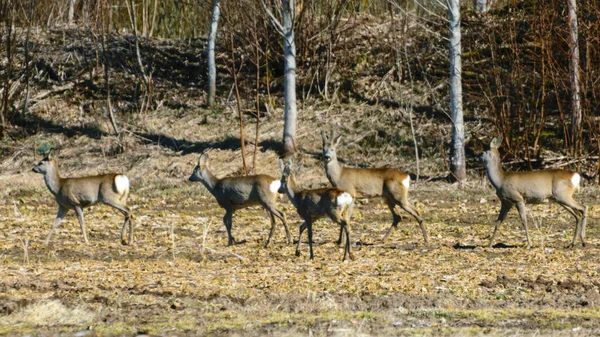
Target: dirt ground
180,278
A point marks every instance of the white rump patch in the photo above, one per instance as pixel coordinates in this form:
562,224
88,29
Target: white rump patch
575,179
121,183
406,182
344,199
274,187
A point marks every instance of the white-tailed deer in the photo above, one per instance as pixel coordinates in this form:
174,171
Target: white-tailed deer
77,193
390,184
532,187
315,204
233,193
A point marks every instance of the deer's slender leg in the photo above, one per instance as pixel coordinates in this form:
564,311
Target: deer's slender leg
127,213
310,238
228,221
410,209
79,212
62,211
506,206
523,213
349,210
580,214
302,228
347,251
272,228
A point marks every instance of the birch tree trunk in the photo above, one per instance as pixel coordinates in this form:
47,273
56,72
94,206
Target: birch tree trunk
576,114
457,159
212,36
289,81
71,12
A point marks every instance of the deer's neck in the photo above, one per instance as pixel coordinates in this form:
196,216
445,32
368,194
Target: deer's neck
333,169
52,179
494,171
209,180
291,189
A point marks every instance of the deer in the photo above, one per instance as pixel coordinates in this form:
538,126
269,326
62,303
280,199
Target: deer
390,184
111,189
233,193
315,204
532,187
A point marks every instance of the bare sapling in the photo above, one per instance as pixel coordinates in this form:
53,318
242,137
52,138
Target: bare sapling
315,204
532,187
78,193
390,184
233,193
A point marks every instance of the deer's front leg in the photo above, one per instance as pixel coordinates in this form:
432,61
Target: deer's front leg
79,212
523,214
62,211
228,222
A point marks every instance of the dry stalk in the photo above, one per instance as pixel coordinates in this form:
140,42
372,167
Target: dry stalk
205,229
25,244
172,240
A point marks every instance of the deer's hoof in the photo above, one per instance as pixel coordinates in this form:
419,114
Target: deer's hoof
124,242
297,253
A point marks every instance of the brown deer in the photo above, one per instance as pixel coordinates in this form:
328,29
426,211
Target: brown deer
532,187
390,184
77,193
233,193
314,204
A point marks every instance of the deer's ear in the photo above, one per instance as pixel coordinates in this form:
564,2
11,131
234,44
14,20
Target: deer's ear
324,136
290,163
337,140
281,166
496,142
203,160
51,154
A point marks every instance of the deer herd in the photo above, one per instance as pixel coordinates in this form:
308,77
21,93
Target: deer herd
336,202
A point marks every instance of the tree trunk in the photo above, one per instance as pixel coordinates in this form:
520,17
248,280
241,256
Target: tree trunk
289,82
212,36
480,6
457,160
71,12
576,114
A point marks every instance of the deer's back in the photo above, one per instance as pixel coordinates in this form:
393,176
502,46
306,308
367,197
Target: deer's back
316,202
371,182
247,190
537,186
87,191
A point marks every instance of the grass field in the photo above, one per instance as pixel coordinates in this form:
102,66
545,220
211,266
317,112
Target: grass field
180,278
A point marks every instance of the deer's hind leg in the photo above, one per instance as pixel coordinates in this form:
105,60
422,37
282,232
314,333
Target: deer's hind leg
274,212
580,214
127,214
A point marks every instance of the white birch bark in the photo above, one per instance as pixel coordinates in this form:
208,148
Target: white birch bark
576,114
212,69
457,160
289,69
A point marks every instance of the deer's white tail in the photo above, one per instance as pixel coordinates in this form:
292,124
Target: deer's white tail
575,180
406,182
274,187
121,183
344,199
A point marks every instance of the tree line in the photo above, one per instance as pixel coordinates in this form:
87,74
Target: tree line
530,68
